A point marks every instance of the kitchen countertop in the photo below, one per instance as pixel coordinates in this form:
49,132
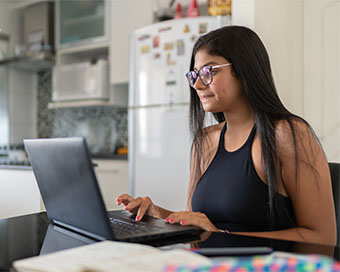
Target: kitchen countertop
24,165
108,156
15,167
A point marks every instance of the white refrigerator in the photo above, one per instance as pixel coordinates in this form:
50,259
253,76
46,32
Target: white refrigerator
158,124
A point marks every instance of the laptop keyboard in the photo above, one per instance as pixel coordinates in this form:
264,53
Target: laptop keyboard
122,226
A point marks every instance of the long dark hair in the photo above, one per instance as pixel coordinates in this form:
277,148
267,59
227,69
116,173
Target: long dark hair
250,64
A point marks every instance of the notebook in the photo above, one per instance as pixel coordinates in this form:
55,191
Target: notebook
71,194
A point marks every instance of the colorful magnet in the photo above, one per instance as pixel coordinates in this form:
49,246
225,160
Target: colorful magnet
180,47
157,55
145,49
186,29
168,46
164,29
202,28
155,42
143,37
169,61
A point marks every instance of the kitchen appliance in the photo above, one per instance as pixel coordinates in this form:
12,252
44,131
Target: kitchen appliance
159,138
81,81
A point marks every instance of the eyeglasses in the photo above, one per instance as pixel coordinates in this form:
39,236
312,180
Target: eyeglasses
205,74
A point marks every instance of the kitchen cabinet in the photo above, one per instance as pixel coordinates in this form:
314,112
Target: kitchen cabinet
4,17
112,177
19,192
18,81
120,18
81,22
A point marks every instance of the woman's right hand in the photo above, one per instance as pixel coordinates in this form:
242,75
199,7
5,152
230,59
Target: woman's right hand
139,206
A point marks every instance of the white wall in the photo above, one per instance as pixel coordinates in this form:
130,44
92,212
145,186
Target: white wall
279,24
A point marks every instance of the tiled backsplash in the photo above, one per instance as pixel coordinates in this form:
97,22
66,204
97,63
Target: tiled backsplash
104,127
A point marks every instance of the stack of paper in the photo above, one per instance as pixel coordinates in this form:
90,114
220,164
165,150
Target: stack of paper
111,256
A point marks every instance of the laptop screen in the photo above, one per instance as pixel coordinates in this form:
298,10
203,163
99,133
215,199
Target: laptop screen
68,185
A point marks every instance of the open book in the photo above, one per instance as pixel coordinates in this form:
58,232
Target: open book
111,256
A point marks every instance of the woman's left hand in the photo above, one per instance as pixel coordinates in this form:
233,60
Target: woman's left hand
191,218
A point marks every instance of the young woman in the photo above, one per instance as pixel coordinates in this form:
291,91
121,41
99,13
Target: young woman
261,170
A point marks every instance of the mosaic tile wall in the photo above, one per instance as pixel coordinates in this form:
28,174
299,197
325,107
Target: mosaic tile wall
104,127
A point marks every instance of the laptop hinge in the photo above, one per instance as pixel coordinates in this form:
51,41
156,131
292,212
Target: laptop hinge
81,231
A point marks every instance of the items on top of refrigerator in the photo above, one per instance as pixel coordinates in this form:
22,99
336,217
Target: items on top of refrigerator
219,7
193,10
165,11
178,13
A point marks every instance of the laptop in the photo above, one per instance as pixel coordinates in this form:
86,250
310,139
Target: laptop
71,194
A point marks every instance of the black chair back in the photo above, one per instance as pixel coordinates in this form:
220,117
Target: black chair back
335,176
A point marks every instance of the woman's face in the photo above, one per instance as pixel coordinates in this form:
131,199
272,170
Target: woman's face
224,92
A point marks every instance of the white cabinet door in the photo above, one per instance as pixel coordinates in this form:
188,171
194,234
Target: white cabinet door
322,72
112,177
19,193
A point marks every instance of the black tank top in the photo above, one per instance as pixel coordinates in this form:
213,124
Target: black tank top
233,196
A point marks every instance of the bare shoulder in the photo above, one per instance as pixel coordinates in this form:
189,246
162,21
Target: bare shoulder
298,146
295,134
212,133
211,136
283,129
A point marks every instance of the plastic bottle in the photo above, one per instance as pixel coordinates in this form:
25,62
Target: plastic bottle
178,13
212,7
193,10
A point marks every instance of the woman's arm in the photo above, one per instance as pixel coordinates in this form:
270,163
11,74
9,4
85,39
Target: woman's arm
309,188
300,234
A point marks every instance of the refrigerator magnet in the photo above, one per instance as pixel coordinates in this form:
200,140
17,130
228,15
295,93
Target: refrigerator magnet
168,46
164,29
170,87
155,42
186,29
170,82
145,49
143,37
202,28
156,55
169,60
180,47
193,38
